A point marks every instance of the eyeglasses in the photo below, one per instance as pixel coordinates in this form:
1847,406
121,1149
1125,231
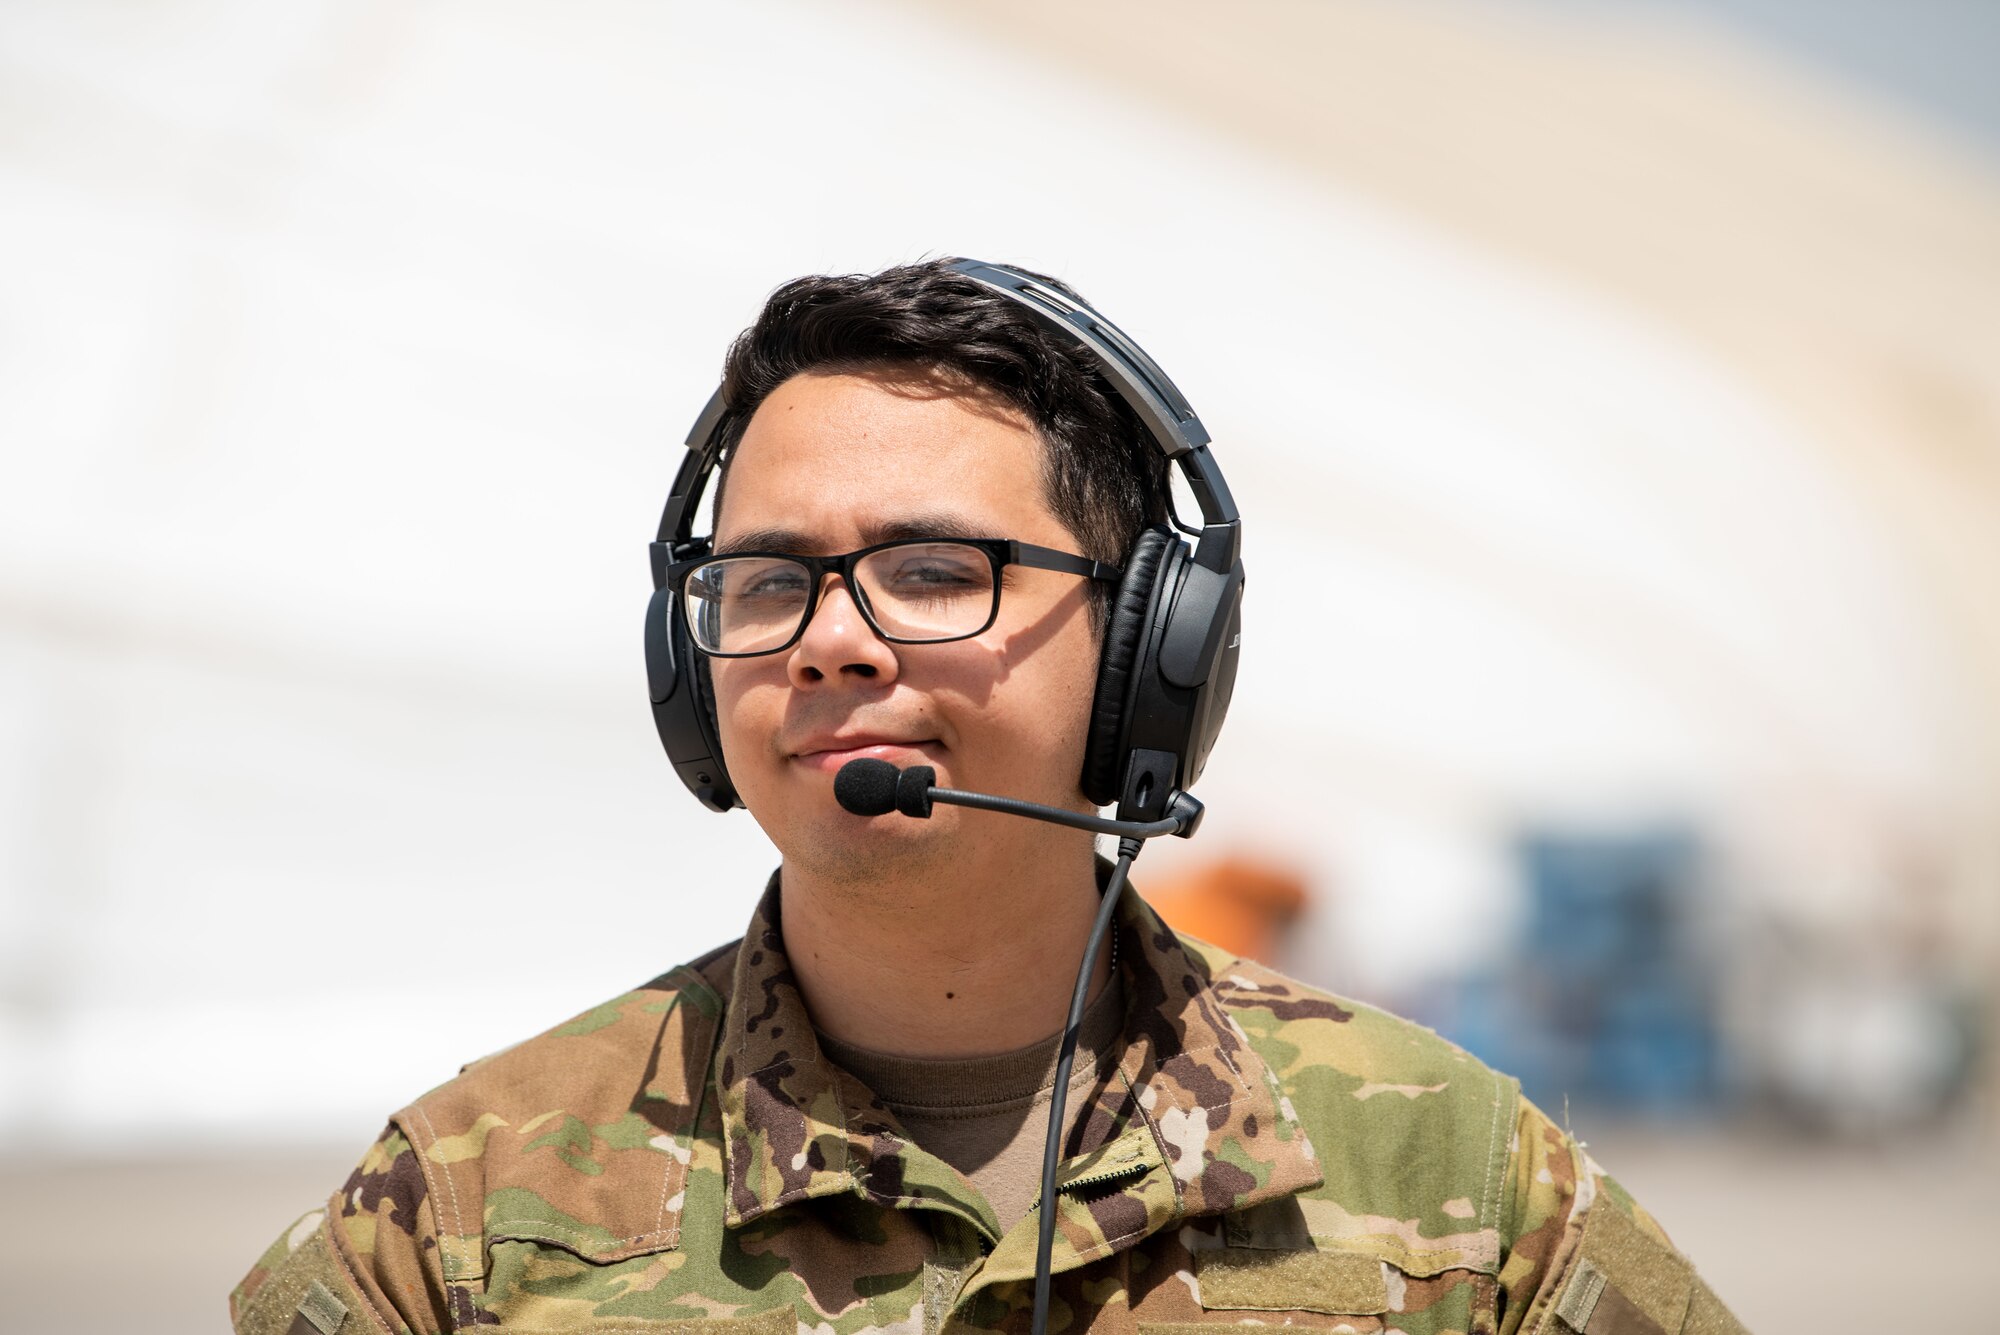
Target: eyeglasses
912,591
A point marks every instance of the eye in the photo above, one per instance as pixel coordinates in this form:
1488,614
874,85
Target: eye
753,578
779,580
934,571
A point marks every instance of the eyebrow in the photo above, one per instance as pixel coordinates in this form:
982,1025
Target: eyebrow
791,542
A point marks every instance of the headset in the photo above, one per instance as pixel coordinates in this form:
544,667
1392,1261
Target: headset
1171,640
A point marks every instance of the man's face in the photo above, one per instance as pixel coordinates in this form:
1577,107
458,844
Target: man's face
832,463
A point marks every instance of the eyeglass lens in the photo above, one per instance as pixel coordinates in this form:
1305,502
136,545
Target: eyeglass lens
912,591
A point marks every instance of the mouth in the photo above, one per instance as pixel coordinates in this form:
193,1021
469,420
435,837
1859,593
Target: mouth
828,757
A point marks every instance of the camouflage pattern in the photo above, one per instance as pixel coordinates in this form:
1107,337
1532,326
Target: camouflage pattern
683,1159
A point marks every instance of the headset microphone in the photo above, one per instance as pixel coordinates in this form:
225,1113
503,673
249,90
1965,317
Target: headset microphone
870,787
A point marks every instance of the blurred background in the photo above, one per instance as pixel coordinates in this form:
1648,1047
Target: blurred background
1612,389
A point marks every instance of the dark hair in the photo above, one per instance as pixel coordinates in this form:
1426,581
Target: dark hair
1103,476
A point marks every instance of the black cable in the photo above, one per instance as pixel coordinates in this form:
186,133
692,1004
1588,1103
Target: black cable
1128,849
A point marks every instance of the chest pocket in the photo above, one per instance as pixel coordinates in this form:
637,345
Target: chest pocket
782,1321
1343,1291
1256,1279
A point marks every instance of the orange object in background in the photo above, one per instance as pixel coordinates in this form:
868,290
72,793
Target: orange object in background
1240,904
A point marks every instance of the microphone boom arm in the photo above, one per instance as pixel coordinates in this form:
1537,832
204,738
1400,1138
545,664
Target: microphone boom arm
1178,823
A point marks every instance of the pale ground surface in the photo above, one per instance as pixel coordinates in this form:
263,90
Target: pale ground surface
1780,1230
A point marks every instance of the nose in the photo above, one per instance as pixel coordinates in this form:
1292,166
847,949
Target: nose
839,644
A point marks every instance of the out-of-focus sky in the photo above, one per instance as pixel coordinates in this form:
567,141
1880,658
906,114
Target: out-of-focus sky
1932,56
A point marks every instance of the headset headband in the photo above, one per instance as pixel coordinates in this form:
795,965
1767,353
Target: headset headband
1159,405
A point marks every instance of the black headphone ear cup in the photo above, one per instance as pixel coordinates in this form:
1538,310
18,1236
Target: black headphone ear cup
702,683
1125,633
684,709
704,693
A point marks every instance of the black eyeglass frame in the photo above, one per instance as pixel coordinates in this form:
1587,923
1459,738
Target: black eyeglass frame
999,552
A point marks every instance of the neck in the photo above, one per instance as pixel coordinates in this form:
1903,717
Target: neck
968,956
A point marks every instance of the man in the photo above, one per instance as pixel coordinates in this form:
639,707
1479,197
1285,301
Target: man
835,1125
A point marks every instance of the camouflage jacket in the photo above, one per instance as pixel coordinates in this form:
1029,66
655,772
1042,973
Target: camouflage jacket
682,1161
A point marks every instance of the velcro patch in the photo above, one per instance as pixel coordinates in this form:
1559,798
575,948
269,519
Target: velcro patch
778,1321
1348,1324
320,1307
1256,1279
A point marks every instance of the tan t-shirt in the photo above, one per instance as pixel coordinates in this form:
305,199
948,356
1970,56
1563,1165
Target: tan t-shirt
988,1116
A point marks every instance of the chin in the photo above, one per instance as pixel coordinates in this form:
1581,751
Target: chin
859,856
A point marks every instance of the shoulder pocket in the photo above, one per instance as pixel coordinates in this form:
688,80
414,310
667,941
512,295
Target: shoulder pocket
1626,1282
308,1294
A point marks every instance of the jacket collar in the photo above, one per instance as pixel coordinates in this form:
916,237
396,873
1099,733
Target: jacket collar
1203,1115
